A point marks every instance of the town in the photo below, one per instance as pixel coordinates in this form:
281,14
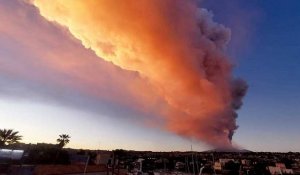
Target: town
42,158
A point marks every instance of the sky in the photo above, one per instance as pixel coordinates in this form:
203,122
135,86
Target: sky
55,79
269,117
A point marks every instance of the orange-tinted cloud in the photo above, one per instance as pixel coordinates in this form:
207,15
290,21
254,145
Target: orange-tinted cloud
42,60
163,58
174,44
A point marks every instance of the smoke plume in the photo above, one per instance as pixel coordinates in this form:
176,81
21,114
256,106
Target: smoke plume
45,63
175,46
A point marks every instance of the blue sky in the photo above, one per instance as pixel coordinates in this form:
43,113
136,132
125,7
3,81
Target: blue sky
265,48
270,117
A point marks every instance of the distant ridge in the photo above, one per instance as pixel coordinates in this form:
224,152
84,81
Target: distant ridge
229,150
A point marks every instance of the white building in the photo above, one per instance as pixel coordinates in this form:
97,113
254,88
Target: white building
274,170
287,171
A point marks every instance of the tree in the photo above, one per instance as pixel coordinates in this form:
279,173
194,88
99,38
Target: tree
63,140
8,137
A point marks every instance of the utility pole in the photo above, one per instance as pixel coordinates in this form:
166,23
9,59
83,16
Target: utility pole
212,154
200,171
187,163
86,164
197,162
193,160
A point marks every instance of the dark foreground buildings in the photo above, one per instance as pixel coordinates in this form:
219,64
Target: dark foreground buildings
29,159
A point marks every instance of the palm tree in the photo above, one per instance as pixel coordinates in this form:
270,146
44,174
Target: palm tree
8,137
63,140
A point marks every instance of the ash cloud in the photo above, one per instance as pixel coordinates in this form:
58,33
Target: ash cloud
41,61
162,60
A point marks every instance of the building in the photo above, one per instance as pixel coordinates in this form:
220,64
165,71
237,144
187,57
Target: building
280,165
218,166
224,161
274,170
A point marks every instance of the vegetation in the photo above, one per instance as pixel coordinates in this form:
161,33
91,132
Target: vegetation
63,140
46,155
9,137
